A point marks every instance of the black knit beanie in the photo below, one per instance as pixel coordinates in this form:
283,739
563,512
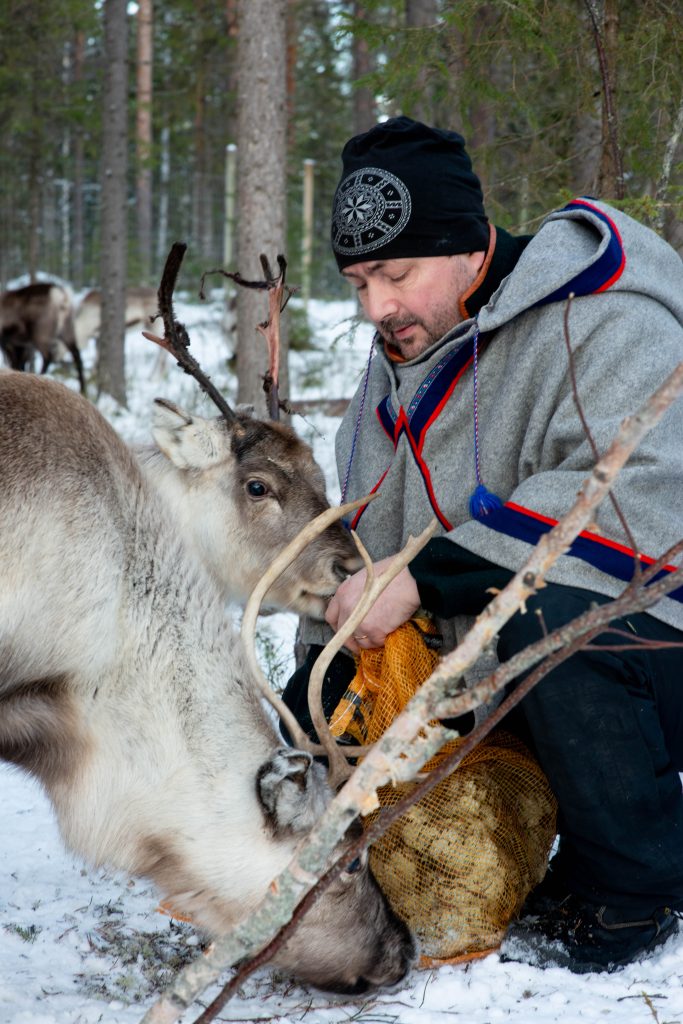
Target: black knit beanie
406,190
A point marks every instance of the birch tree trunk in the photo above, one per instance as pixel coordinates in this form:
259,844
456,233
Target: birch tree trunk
261,180
111,377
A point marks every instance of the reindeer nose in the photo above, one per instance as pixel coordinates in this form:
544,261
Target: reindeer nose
340,570
358,987
346,566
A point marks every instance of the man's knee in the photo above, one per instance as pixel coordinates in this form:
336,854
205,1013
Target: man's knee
553,606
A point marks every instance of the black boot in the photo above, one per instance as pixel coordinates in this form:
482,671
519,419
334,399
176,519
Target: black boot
583,937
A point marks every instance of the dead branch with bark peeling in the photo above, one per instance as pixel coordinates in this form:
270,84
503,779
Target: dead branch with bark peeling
411,740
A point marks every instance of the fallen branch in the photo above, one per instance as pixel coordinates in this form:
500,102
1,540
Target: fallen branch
410,740
586,627
564,643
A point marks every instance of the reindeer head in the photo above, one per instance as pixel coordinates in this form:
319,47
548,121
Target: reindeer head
243,488
263,482
293,792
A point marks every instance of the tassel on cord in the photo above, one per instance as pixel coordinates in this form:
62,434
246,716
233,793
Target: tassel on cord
482,501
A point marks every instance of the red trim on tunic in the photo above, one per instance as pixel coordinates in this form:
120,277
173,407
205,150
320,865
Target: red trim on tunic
605,541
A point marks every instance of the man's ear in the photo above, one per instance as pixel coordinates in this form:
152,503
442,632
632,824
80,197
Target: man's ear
476,261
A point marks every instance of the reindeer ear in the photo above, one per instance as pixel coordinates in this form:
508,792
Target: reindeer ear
190,442
293,790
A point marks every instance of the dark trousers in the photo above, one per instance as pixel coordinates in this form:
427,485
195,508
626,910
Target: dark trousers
607,728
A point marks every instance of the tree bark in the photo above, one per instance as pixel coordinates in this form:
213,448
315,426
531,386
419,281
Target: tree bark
364,106
261,181
113,230
143,138
35,187
611,172
420,14
201,222
77,205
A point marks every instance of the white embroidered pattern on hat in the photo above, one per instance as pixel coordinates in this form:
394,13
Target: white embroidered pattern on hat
370,208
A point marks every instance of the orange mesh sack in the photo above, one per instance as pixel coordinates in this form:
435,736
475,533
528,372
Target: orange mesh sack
459,864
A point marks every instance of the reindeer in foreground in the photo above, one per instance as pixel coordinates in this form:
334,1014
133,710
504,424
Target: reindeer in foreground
124,687
34,320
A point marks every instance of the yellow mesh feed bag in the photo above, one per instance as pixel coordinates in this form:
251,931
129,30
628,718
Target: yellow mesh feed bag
459,864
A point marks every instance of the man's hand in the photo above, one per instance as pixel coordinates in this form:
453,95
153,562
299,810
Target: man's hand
394,607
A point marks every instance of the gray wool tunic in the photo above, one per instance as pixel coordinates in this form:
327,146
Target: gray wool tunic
413,439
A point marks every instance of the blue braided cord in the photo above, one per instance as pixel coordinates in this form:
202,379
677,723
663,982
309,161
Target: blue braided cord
482,501
475,375
356,429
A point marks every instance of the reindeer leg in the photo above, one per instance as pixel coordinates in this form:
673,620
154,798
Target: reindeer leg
74,350
292,789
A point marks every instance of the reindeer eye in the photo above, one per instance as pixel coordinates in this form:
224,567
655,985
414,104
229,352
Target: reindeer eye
256,489
354,866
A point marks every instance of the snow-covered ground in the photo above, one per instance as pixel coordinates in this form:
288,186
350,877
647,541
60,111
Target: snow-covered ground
79,946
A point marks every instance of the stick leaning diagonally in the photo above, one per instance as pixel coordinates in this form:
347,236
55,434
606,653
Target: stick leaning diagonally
408,737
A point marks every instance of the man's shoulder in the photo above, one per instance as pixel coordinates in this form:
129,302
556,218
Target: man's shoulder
588,247
585,214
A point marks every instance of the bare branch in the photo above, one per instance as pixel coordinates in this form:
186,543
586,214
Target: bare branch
608,100
637,597
176,339
588,627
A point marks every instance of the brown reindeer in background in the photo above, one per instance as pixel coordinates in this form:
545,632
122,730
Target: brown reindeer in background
33,321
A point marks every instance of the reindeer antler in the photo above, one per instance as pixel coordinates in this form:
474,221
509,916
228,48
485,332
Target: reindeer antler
270,329
253,606
176,339
339,770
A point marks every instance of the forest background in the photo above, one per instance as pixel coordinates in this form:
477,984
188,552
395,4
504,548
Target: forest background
220,123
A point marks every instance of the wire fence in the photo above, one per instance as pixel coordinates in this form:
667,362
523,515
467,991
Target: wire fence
50,235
